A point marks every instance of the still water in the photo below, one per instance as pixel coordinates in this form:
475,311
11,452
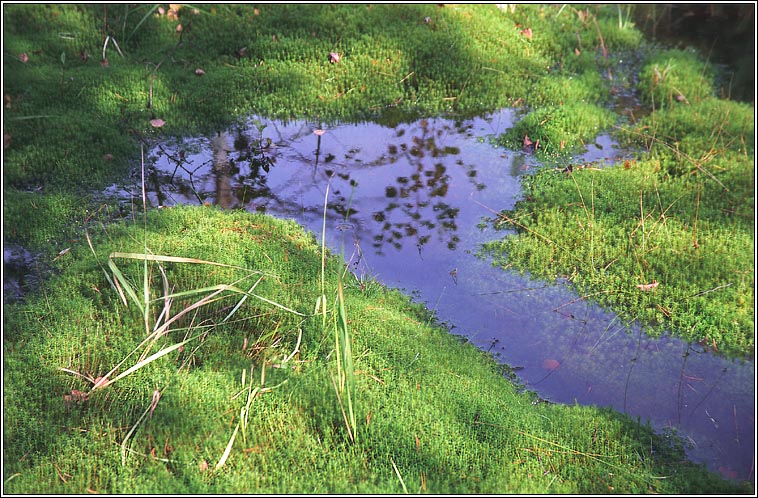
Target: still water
407,202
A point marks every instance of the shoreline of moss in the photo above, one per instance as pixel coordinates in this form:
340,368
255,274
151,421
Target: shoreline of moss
74,124
443,411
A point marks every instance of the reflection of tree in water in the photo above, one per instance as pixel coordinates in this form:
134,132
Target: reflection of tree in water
412,206
236,173
415,206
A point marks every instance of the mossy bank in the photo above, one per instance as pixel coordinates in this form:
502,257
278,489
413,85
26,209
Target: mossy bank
440,412
86,85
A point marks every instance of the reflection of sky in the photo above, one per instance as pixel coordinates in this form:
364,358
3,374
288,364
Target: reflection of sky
411,199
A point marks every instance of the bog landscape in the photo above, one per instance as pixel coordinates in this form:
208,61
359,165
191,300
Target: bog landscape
378,249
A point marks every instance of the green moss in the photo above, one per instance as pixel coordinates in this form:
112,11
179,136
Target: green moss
559,129
673,76
614,229
441,411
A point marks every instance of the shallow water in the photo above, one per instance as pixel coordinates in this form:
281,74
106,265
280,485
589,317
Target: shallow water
406,204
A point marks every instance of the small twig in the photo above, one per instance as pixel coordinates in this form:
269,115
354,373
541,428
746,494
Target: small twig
711,290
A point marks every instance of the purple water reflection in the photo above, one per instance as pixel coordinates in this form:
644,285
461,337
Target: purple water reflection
408,200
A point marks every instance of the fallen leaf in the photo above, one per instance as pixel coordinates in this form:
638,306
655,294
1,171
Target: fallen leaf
648,287
23,57
550,364
530,146
334,57
173,10
76,396
157,123
199,72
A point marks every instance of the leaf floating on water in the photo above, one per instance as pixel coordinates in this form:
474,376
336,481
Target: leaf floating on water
157,123
551,364
648,287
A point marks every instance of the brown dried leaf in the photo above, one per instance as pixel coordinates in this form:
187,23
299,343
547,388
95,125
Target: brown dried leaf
648,287
173,10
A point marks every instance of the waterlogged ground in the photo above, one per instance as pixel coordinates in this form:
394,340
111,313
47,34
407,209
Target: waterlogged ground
406,203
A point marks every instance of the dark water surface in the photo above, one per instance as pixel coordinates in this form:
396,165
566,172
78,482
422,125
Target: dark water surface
406,204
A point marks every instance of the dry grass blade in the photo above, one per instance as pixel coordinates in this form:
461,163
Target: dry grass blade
105,381
228,449
397,472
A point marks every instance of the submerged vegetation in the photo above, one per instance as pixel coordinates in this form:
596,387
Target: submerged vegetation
189,350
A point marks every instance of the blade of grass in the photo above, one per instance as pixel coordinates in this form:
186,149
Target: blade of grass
397,472
141,22
228,449
104,382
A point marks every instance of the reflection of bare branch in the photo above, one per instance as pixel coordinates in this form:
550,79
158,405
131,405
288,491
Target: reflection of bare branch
238,176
